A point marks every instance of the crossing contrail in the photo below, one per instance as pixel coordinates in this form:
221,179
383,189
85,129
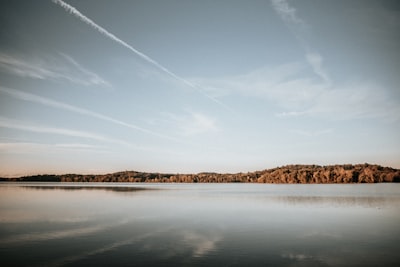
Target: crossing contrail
72,10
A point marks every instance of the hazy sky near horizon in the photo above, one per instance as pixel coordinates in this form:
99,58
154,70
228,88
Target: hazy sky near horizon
188,86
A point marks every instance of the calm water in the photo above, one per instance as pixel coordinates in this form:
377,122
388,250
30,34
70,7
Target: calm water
199,225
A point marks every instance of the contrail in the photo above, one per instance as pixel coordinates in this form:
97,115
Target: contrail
72,10
52,103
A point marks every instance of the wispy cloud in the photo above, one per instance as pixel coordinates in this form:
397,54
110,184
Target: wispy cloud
76,146
287,12
31,147
24,126
59,105
315,60
194,123
300,29
304,96
63,67
72,10
199,123
24,69
323,98
271,82
92,78
316,133
356,100
291,113
284,85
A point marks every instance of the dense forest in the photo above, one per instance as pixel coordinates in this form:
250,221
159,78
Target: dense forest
290,174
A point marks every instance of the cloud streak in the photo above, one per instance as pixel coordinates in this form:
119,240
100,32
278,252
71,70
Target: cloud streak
39,69
52,103
19,125
30,147
72,10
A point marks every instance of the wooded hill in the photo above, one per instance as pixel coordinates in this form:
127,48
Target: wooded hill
290,174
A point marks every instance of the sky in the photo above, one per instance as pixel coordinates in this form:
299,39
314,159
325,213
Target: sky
184,86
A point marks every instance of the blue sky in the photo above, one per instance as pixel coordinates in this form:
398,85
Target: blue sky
189,86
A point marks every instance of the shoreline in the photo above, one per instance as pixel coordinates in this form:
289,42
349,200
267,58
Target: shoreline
290,174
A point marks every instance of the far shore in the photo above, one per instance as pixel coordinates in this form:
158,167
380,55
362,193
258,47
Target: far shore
290,174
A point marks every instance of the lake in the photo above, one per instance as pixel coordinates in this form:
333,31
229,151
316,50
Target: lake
72,224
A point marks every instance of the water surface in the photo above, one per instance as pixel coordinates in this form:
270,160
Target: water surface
56,224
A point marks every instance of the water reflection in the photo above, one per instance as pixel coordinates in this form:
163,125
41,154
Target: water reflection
46,236
88,187
199,225
98,251
371,202
201,244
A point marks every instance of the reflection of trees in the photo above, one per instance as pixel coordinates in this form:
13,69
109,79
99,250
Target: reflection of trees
88,187
341,201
